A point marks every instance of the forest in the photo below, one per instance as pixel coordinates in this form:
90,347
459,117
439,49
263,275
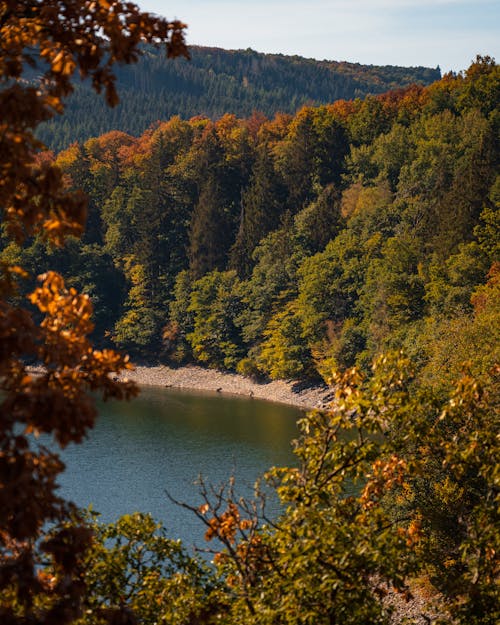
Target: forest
214,82
355,242
284,247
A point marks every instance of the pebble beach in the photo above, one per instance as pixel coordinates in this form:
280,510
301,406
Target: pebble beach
195,378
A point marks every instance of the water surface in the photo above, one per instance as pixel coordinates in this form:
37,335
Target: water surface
163,440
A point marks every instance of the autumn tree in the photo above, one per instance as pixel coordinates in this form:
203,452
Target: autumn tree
395,483
283,352
43,46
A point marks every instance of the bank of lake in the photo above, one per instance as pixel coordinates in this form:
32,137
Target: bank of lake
300,394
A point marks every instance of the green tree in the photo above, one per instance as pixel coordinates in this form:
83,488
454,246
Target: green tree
181,319
133,565
329,284
450,285
393,292
273,280
215,303
382,158
262,205
311,155
368,121
319,222
210,230
445,184
137,330
117,225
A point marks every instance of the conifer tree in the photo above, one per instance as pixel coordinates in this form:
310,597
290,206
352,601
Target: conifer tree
262,206
210,230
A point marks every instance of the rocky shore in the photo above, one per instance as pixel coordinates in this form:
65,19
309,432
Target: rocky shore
295,393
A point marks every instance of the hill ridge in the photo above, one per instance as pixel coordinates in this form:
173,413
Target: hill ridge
217,81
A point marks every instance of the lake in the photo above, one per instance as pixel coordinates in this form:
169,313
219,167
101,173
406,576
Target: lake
163,440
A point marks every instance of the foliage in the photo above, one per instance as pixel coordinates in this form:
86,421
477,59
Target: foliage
471,341
55,39
328,284
395,481
261,208
133,565
393,291
181,319
283,352
353,227
215,304
137,327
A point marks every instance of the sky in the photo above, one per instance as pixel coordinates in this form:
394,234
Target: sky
448,33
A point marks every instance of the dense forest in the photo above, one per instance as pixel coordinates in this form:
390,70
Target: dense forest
214,82
284,247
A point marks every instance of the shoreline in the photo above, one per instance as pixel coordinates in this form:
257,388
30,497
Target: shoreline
191,377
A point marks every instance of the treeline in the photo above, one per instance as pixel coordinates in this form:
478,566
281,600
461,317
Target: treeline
215,82
293,246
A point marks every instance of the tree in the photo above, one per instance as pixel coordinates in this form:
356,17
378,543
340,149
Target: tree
43,45
210,230
133,563
215,304
261,208
272,283
283,352
470,342
138,327
219,164
329,284
392,295
181,319
446,179
311,155
394,481
319,222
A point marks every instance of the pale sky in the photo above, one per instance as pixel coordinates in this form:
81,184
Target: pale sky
448,33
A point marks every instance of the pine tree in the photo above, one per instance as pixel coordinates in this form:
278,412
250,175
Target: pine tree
262,205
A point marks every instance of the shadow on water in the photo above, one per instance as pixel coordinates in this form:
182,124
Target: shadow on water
163,440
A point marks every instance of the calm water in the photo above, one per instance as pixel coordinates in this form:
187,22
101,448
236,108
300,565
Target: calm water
164,440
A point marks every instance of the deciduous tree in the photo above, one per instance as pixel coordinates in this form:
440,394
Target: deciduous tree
43,45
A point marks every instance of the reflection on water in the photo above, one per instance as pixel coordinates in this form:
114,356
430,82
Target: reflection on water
164,440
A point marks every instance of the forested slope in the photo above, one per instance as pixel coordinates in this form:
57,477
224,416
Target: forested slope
215,82
289,246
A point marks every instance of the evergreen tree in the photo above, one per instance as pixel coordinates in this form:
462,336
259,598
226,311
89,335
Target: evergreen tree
262,205
210,230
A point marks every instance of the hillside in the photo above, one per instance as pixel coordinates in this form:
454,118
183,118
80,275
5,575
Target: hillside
215,82
285,245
